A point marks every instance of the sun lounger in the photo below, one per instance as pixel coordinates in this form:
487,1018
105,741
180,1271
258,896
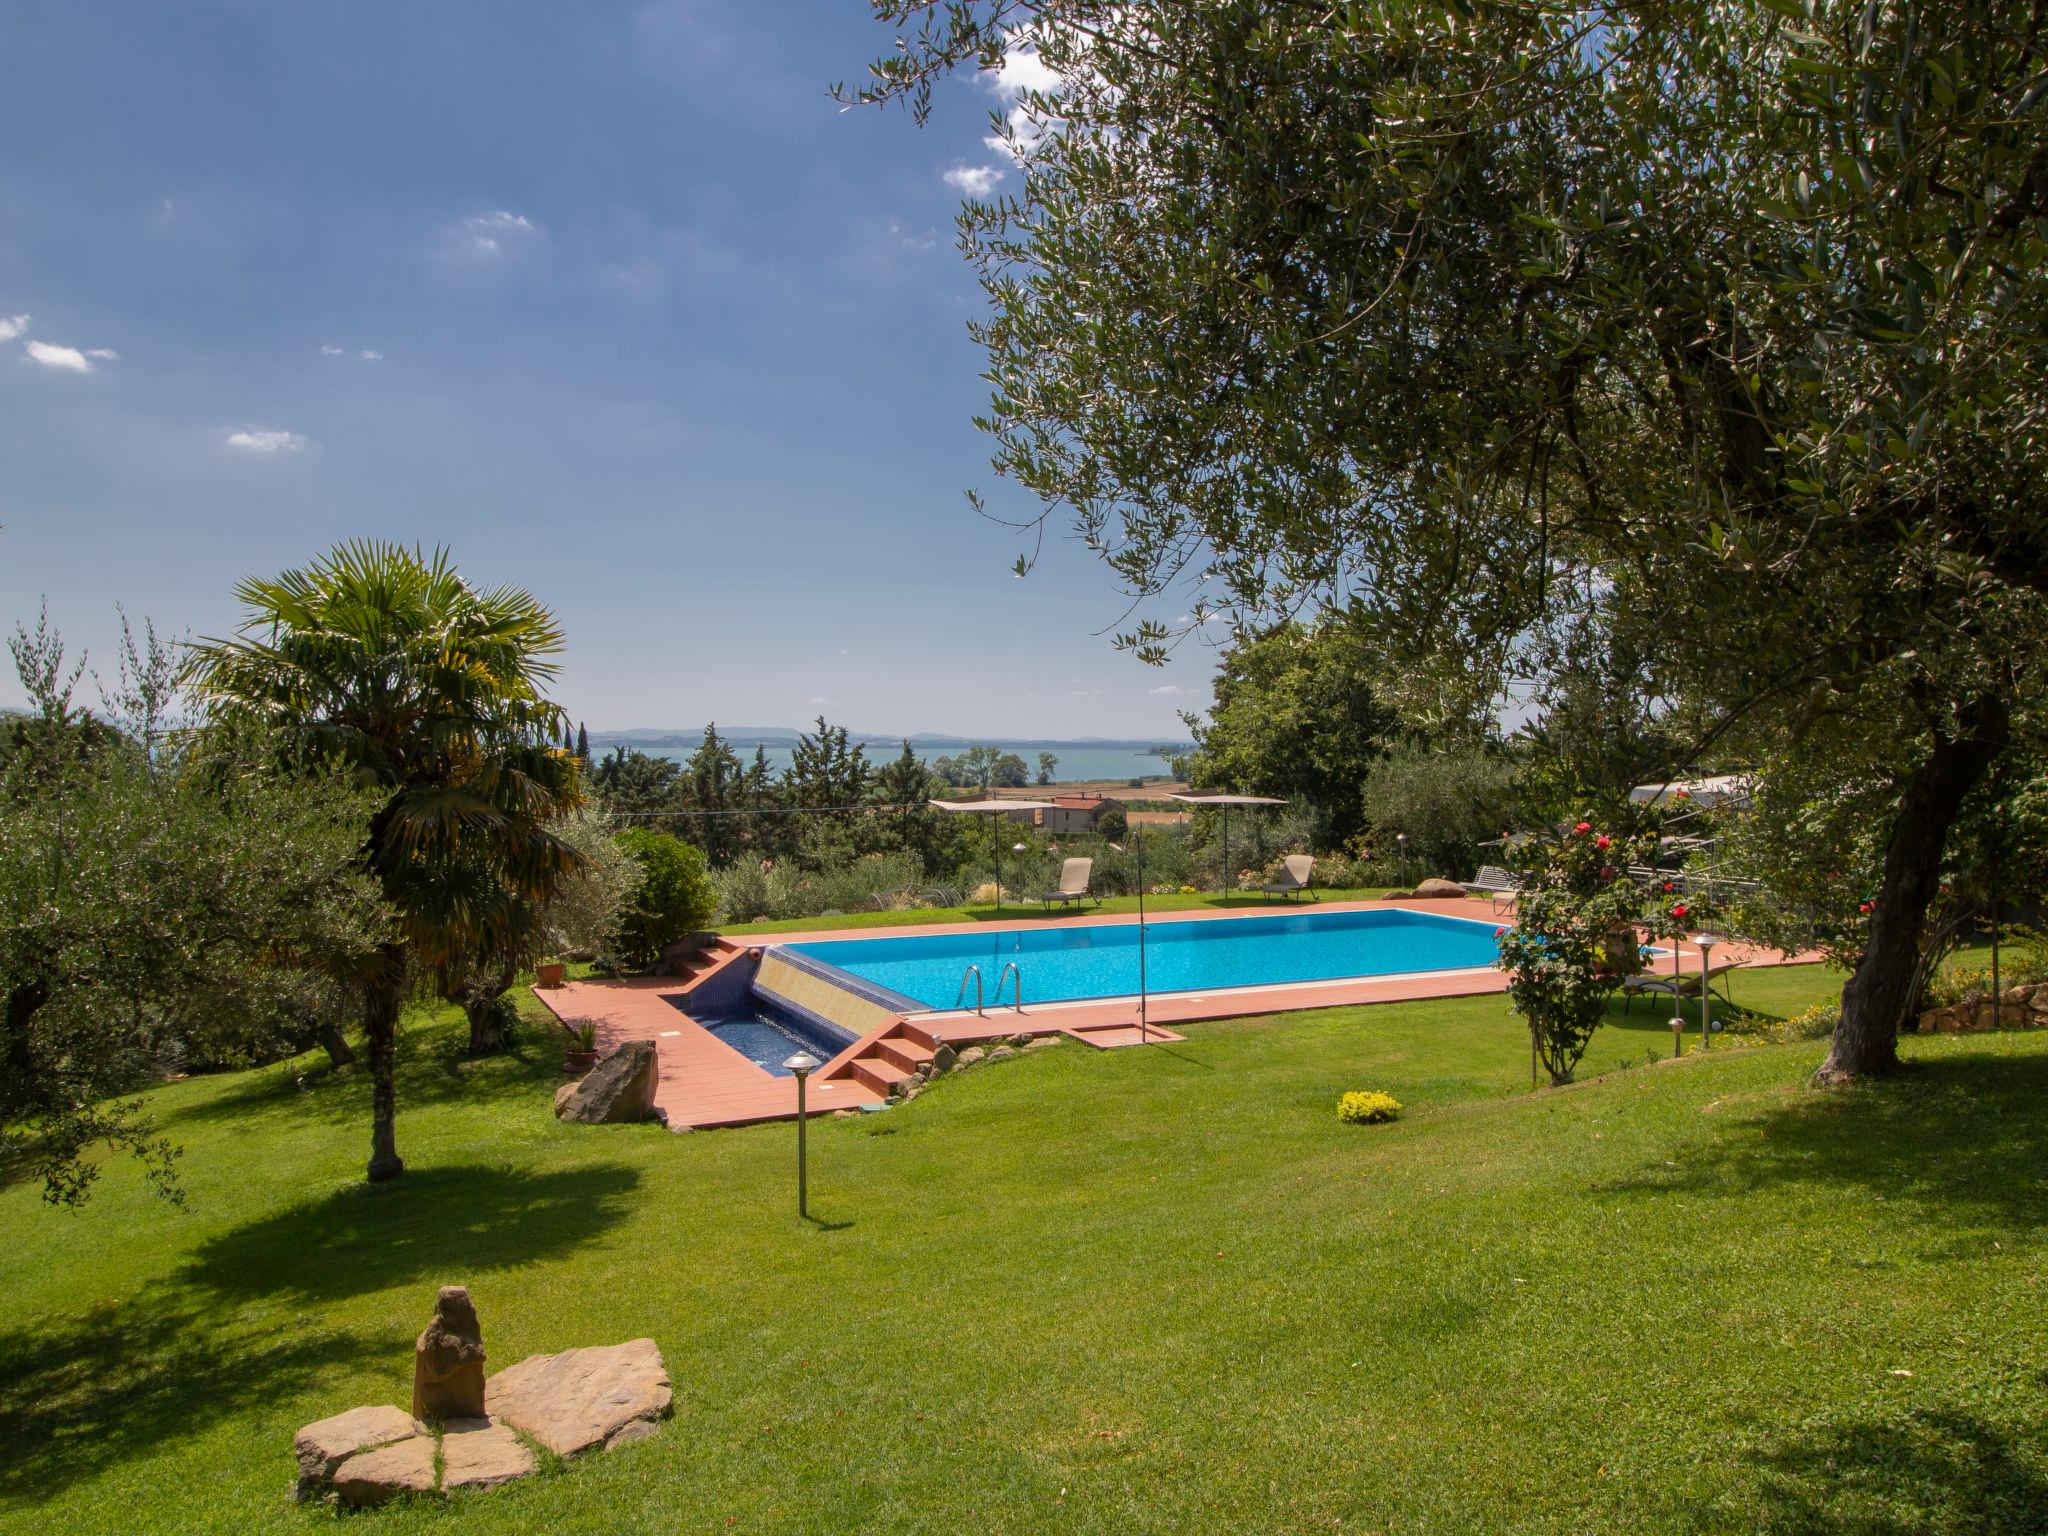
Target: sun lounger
1493,881
1686,985
1301,868
1075,878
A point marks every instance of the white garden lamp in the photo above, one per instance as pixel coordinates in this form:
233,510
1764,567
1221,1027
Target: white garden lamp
1706,942
801,1066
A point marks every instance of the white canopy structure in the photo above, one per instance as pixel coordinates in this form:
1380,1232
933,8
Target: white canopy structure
1224,802
1720,791
992,806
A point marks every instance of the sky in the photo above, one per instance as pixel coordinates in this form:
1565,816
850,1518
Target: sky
611,300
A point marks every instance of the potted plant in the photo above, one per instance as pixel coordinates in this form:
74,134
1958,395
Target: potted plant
581,1054
549,972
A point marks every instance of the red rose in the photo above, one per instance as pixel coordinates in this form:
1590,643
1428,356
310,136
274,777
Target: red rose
1669,887
1498,932
1864,908
1583,828
1679,910
1603,841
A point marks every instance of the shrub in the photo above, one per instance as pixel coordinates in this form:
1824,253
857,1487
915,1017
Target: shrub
676,895
1368,1108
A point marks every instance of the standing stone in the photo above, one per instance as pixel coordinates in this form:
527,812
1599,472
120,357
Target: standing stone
448,1361
943,1057
617,1089
1438,889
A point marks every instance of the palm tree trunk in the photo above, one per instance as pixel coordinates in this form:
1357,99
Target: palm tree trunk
1880,995
384,997
480,1002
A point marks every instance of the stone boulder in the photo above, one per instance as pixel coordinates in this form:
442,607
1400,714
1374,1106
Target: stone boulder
971,1055
1437,889
1043,1042
583,1397
321,1447
448,1361
375,1477
482,1453
618,1089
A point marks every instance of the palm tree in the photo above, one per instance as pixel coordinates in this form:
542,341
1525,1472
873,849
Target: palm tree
432,690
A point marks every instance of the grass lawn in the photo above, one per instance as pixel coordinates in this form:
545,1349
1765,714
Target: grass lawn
1144,1290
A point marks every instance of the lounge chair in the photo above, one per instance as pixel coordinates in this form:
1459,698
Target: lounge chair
1075,877
1496,882
1301,868
1687,984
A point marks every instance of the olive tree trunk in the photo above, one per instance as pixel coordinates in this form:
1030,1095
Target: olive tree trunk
384,998
1881,994
480,999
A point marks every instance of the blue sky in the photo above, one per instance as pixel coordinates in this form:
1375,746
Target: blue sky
612,300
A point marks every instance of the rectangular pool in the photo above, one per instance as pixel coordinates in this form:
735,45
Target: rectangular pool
1068,964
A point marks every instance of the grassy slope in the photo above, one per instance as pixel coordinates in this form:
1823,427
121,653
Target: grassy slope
1157,1290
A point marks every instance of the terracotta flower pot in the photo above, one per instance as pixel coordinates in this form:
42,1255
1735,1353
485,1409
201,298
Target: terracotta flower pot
576,1063
549,974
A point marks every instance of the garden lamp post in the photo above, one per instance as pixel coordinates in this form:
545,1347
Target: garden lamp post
1677,1035
801,1066
1401,843
1706,942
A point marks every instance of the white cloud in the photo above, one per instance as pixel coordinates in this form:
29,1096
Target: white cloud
1082,693
490,236
973,180
265,440
105,354
64,359
12,326
1021,70
1170,691
370,356
330,350
909,239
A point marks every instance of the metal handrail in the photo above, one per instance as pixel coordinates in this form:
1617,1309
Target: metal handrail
975,972
1008,971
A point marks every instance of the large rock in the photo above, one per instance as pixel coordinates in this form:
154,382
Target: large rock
325,1444
482,1453
583,1397
1436,889
373,1477
448,1361
619,1088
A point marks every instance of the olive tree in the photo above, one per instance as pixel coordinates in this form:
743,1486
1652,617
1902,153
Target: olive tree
1708,328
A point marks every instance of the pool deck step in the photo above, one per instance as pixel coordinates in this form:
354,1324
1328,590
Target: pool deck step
879,1073
1109,1037
902,1051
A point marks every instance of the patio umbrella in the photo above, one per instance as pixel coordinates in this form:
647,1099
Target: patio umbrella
1216,797
992,807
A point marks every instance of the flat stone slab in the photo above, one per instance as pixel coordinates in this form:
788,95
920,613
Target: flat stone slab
373,1477
482,1453
324,1445
582,1397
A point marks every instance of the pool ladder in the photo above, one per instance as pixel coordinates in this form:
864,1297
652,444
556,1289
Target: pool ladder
1009,971
1002,981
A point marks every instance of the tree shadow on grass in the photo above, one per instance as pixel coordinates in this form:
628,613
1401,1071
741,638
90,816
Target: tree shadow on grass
1925,1471
1962,1137
80,1395
443,1224
432,1070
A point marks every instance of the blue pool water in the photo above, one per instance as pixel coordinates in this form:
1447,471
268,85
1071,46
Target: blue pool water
768,1036
1063,964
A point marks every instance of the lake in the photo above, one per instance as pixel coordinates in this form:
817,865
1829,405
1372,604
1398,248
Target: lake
1077,763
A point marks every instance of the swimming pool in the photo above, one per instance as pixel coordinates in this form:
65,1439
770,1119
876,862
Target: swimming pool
1069,964
768,1036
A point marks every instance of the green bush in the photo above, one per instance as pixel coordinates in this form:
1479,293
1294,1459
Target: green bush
676,895
1368,1108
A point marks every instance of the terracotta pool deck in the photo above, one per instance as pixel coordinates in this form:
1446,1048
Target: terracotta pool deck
706,1083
